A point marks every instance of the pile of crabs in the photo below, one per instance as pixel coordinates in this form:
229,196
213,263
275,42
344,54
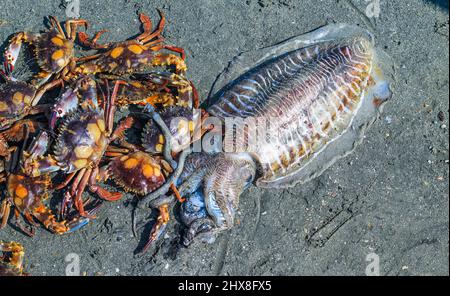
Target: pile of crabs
74,136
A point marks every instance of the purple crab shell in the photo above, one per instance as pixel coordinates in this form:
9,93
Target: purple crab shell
16,99
82,140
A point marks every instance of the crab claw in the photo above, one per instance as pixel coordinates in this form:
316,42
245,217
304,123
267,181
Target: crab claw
156,233
68,102
158,228
12,53
77,224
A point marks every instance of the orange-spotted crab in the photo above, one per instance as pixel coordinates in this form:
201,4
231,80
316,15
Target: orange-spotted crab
53,49
11,260
131,56
82,138
141,173
28,194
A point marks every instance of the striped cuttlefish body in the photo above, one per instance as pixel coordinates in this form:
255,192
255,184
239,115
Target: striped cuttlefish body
305,104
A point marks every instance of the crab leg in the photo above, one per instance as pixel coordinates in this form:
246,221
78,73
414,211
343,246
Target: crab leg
84,39
121,128
57,25
177,50
76,222
152,44
44,89
98,35
113,154
110,108
77,181
112,151
147,36
68,196
65,182
146,24
103,193
71,27
4,212
20,226
117,149
29,219
88,58
79,204
65,204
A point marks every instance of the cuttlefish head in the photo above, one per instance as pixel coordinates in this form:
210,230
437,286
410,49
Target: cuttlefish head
213,194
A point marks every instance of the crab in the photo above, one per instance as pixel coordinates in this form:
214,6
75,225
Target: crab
53,49
140,173
82,138
131,56
27,196
11,261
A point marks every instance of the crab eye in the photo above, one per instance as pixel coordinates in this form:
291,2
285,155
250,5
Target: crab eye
60,111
